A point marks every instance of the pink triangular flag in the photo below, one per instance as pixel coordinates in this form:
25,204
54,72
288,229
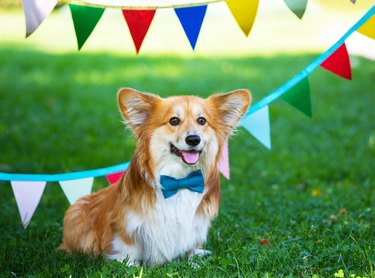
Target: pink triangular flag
112,178
339,63
224,161
27,194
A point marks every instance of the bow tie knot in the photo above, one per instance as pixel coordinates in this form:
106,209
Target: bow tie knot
194,182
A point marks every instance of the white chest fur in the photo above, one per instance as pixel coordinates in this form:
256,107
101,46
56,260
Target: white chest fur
170,230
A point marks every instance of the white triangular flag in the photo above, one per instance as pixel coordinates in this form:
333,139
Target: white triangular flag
35,12
258,124
27,194
75,189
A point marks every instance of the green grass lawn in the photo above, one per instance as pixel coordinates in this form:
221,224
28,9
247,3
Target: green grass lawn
58,113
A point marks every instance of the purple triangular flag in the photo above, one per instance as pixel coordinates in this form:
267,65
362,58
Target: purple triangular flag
27,194
191,20
35,12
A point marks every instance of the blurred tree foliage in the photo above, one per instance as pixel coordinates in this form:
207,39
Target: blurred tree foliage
10,3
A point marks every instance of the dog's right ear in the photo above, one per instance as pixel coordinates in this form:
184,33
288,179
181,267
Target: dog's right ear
135,107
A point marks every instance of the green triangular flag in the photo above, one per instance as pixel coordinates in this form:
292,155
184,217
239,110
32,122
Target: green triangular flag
84,20
299,96
298,7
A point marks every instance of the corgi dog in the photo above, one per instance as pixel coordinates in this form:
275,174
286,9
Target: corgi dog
162,206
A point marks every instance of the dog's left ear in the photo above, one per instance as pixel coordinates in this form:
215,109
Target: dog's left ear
230,107
136,107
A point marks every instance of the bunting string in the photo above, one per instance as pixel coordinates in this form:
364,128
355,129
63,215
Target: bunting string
135,7
258,107
28,188
86,15
309,68
65,176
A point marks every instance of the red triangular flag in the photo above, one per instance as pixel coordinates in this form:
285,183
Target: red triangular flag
339,63
112,178
139,22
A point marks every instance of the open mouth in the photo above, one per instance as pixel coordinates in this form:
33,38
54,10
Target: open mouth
189,157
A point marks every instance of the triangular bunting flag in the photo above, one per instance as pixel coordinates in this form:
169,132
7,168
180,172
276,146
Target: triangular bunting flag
138,22
191,20
112,178
298,7
224,161
368,28
299,97
27,194
35,12
75,189
85,19
339,63
244,11
258,124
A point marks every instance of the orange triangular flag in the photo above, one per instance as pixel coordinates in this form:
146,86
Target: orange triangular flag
244,11
339,63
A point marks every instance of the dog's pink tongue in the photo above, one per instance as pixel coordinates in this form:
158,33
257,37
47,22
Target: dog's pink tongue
190,157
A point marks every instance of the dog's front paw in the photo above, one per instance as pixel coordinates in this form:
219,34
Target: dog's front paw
199,253
133,263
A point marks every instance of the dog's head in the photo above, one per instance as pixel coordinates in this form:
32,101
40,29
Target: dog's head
184,132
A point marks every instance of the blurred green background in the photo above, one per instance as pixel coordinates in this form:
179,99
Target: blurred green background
312,196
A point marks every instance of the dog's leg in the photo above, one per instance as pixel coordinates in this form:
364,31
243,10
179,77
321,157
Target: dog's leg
197,252
130,261
121,251
120,258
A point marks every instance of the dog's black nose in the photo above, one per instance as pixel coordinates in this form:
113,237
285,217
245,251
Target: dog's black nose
193,140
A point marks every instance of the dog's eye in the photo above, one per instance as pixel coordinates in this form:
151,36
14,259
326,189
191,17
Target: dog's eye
174,121
201,121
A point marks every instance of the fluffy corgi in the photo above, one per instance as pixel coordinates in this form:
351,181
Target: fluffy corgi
162,207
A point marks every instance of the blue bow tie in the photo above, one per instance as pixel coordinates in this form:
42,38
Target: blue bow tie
194,182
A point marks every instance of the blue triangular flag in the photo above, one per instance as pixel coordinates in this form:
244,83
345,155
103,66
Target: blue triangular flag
191,20
258,124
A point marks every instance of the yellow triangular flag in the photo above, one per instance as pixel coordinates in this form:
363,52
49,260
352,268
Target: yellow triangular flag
368,28
244,11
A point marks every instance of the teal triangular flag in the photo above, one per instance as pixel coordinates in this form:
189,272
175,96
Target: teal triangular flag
84,19
299,97
298,7
258,124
